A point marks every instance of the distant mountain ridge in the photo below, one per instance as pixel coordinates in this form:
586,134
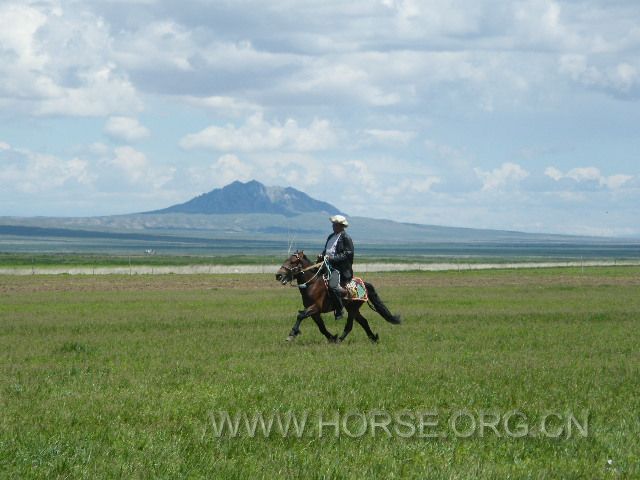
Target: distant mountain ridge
249,218
251,197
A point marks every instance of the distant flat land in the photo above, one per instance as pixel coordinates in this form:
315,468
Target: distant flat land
274,235
122,376
100,264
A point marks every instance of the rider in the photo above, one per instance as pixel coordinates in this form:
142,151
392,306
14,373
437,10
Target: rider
338,252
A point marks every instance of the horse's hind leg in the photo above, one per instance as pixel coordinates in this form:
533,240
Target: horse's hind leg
347,327
323,329
374,337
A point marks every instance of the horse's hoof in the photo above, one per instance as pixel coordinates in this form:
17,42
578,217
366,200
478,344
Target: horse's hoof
333,339
375,338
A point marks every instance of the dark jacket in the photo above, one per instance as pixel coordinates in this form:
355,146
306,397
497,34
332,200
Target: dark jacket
343,258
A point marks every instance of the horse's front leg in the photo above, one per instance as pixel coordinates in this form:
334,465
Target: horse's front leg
302,314
295,331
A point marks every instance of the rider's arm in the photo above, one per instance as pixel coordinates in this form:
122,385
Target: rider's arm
347,251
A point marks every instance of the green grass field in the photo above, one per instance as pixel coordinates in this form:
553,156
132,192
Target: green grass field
125,376
57,260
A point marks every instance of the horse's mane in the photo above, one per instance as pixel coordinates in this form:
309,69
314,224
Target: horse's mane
305,258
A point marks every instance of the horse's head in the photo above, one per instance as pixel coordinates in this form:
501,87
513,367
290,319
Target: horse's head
291,268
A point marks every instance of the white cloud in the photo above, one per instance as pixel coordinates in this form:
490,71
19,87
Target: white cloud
56,60
158,45
342,78
229,168
104,92
413,186
99,149
390,137
584,174
508,175
243,56
447,152
554,173
379,77
226,169
589,175
402,76
126,128
24,171
544,23
228,106
621,77
416,19
358,171
139,170
258,134
615,182
55,185
298,169
132,162
18,26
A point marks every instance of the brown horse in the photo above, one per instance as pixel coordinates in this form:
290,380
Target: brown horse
316,299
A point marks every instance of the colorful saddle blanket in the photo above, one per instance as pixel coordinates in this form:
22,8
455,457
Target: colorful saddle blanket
357,290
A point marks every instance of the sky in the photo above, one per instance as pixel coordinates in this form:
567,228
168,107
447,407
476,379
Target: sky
519,115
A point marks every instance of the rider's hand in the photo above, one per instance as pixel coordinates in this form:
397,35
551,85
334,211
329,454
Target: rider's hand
319,258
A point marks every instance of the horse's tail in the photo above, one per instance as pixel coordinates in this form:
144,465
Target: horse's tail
376,304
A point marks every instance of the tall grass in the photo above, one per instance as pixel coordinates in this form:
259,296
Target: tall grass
120,376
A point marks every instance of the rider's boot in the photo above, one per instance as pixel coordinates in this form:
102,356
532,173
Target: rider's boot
338,300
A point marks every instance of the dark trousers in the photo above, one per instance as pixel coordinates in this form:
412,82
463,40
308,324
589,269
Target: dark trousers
335,288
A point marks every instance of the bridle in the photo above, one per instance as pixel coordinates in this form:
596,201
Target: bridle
298,269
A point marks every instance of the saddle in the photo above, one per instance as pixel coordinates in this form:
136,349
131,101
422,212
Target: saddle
356,290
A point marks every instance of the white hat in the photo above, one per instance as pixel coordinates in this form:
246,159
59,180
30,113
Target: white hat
339,219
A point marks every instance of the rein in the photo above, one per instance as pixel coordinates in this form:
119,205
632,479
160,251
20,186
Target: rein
311,267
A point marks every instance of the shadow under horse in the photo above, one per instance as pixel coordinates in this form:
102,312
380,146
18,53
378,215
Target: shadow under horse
317,300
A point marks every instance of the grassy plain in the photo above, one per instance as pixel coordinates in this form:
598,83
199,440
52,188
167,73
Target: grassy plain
121,376
59,260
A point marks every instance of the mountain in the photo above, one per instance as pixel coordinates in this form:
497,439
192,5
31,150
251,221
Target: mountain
247,218
251,197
